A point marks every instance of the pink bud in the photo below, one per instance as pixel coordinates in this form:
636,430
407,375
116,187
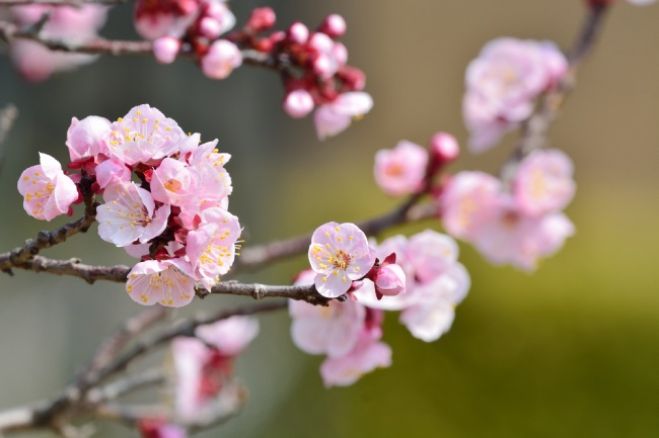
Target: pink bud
222,57
261,19
390,280
340,53
210,27
334,25
165,49
321,42
298,103
298,33
444,147
323,66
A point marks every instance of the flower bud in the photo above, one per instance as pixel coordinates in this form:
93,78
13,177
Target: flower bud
390,280
222,57
210,27
444,148
261,19
298,103
334,25
165,49
298,33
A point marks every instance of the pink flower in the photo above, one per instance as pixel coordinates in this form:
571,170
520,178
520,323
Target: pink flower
155,428
207,164
72,25
503,83
543,183
211,247
367,355
202,372
221,59
339,254
298,103
390,280
333,330
172,182
47,192
129,214
436,283
111,171
334,25
145,135
335,117
298,33
87,138
165,49
444,148
163,282
402,170
165,17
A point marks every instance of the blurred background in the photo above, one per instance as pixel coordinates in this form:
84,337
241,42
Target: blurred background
572,350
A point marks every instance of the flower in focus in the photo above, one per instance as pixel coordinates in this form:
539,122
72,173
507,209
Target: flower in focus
162,282
47,192
129,214
86,138
503,83
334,117
339,254
203,367
401,170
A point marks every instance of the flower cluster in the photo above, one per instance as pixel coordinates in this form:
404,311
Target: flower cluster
68,24
165,199
315,62
408,168
503,83
517,226
348,332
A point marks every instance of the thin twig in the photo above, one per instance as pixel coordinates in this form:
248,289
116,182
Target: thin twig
8,116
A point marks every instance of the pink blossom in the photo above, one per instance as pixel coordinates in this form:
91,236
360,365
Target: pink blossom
172,182
221,59
87,138
543,183
334,25
211,247
220,12
72,25
333,330
390,280
329,55
367,355
129,214
165,17
339,254
159,429
298,103
444,148
298,33
111,171
163,282
165,49
145,135
503,83
47,192
335,117
202,372
402,170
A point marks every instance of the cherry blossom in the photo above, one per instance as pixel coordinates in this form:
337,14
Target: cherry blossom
544,182
145,135
155,428
129,214
111,171
298,103
87,138
165,49
401,170
162,282
221,59
47,192
172,182
339,254
334,117
503,83
202,367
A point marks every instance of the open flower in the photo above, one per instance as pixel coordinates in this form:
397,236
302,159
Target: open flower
172,182
145,135
163,282
339,254
211,247
47,192
87,138
401,170
129,214
334,117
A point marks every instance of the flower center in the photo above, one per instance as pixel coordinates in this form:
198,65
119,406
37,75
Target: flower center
173,185
340,260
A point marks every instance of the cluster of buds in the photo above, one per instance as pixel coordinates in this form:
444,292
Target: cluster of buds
165,199
516,224
313,63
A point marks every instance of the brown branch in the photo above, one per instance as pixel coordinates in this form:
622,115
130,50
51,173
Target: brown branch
535,129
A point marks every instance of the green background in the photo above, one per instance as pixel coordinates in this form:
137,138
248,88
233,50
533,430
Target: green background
572,350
